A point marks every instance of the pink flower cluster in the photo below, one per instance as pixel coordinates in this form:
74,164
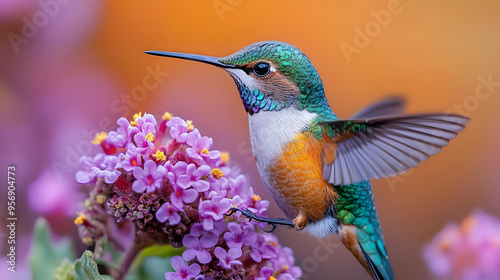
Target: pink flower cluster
176,190
469,251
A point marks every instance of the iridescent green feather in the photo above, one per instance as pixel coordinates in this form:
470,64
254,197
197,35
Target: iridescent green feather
355,206
331,128
296,66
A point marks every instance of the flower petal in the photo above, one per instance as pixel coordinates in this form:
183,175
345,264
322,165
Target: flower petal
139,186
189,195
220,253
193,270
201,185
234,253
190,241
184,181
204,257
209,240
178,263
189,254
174,219
162,214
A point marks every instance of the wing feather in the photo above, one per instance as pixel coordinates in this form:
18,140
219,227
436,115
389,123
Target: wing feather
387,146
369,156
393,105
364,161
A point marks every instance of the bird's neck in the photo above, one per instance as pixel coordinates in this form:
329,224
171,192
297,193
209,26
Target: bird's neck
315,102
270,131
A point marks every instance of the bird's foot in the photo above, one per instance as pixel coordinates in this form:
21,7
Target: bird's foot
273,222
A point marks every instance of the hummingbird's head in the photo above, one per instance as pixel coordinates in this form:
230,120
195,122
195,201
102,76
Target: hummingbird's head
270,75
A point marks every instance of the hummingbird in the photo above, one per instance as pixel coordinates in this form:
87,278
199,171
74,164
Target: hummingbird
316,166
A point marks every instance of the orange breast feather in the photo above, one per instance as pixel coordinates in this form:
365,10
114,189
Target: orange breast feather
297,176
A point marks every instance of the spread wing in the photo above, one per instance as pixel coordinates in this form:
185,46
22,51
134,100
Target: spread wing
393,105
386,146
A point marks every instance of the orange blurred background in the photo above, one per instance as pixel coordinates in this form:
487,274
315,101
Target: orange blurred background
86,65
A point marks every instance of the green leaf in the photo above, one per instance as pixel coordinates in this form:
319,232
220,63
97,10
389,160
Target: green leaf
161,251
46,256
157,251
152,262
86,267
83,268
152,268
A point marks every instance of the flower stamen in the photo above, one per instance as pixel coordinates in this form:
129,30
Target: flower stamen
159,156
167,116
189,124
80,219
217,173
224,156
99,137
100,198
135,117
150,137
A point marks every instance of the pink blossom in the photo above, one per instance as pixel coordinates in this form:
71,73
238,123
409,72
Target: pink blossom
213,210
239,235
182,270
229,258
197,248
470,250
149,178
182,202
168,211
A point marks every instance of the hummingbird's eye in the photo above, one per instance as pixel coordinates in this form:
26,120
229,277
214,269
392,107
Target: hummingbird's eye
261,69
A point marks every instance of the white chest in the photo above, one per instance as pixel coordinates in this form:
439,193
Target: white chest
271,130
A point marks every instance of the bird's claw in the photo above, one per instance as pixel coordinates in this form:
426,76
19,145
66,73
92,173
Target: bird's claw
273,222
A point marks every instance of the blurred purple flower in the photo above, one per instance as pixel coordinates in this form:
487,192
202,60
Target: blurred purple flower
48,195
239,235
168,212
197,248
262,249
143,146
89,169
182,270
174,171
116,139
109,169
200,151
265,273
131,160
178,129
149,178
229,258
470,250
147,124
180,195
213,210
284,263
194,177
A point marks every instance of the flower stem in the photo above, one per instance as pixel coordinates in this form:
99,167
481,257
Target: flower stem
128,259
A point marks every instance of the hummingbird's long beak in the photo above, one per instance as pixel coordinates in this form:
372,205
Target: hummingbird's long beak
195,57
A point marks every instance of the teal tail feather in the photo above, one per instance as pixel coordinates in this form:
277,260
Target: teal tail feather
355,207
